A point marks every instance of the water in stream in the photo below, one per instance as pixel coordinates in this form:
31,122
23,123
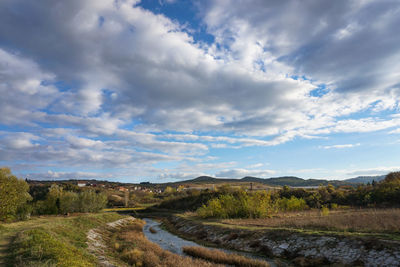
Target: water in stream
173,243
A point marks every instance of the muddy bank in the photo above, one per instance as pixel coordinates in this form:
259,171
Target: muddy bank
302,249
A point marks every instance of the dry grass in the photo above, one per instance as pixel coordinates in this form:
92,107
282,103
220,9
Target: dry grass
218,256
131,246
353,220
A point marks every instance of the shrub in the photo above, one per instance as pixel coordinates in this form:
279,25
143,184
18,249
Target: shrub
239,205
324,211
292,204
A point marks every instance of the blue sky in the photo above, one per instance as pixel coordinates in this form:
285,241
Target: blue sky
167,90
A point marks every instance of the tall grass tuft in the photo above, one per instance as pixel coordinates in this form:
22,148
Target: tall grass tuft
221,257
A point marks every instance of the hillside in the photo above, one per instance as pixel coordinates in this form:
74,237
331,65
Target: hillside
275,181
366,179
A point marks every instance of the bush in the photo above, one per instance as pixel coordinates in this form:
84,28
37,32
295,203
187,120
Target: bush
239,205
292,204
324,211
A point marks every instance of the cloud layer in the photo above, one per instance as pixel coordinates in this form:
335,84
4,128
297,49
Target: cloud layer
108,85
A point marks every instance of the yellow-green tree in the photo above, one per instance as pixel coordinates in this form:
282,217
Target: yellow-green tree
13,194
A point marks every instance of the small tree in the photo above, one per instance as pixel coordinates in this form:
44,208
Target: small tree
89,201
13,195
69,202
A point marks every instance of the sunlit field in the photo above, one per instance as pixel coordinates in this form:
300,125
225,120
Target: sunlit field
352,220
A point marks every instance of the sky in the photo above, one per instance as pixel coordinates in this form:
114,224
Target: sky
167,90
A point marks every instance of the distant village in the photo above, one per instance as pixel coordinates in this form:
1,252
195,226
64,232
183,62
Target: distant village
125,187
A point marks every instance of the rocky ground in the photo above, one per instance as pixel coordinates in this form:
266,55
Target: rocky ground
96,243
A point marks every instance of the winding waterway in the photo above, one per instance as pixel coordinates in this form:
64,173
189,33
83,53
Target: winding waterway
174,244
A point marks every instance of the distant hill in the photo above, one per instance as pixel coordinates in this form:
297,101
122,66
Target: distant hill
366,179
275,181
288,180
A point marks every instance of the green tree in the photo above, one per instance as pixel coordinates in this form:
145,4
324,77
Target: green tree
52,202
69,202
13,195
89,201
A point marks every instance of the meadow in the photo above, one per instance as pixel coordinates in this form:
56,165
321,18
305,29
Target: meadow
347,220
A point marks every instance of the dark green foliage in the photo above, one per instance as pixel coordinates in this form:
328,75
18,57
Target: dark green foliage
189,201
59,201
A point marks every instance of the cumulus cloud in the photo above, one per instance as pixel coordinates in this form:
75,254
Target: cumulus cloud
111,84
18,140
51,175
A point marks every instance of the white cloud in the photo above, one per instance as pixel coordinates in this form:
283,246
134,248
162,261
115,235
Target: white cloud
340,146
51,175
395,131
104,83
239,173
18,140
373,171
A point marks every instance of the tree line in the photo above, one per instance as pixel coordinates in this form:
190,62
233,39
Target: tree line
18,201
247,204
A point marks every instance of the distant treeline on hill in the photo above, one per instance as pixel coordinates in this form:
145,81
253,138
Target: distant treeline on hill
288,180
275,181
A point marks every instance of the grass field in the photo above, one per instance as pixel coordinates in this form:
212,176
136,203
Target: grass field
351,220
50,240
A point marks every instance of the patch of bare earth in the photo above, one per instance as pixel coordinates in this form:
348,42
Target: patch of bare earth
97,245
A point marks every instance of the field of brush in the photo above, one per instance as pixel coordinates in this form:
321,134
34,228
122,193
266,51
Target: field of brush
350,220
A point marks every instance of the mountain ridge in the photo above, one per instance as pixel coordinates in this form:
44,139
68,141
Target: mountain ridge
287,180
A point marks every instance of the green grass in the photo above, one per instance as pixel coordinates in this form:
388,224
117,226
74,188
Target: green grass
51,241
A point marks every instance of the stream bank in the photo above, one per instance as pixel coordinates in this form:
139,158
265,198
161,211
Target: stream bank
303,249
168,241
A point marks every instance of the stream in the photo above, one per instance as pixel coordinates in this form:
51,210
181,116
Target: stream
174,244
